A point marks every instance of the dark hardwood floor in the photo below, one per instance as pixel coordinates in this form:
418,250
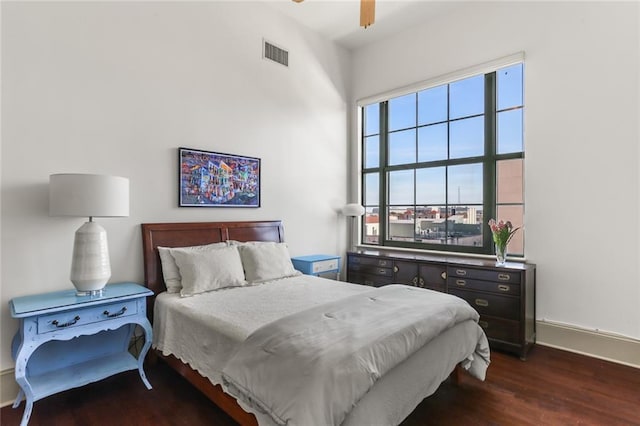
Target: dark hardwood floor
551,388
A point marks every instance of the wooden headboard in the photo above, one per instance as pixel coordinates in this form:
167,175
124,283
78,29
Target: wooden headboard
195,234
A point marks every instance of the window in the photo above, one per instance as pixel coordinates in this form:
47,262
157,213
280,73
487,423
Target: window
438,163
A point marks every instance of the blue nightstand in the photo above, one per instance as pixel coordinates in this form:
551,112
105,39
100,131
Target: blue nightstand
317,264
66,341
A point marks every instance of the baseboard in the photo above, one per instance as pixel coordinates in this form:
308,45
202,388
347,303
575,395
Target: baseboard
606,346
8,387
597,344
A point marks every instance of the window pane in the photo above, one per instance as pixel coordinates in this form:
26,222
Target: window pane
509,87
467,97
432,142
371,119
509,131
401,223
371,189
465,184
371,226
402,112
430,185
402,147
509,181
401,187
465,226
432,105
430,224
467,138
372,152
514,214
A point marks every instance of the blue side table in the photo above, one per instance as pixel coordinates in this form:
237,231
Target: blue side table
317,264
66,341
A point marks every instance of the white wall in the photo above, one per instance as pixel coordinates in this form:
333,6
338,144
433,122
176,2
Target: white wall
116,88
582,136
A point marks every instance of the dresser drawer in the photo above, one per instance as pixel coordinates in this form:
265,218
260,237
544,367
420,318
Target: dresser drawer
500,329
79,317
435,286
325,265
372,280
492,286
357,260
372,270
503,276
490,304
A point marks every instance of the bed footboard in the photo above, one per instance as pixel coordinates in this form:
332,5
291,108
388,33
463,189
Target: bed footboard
214,392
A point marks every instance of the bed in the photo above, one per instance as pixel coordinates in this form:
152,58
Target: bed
207,338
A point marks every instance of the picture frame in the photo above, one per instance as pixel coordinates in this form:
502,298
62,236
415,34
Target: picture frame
216,179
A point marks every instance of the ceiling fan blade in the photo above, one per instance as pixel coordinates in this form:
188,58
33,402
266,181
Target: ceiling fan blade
367,12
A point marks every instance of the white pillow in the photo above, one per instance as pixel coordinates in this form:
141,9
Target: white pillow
207,270
268,261
170,271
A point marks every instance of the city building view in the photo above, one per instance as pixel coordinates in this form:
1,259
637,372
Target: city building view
460,225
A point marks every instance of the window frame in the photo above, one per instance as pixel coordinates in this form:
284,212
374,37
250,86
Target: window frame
489,159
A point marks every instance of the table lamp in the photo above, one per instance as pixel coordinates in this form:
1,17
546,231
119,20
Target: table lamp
353,210
87,195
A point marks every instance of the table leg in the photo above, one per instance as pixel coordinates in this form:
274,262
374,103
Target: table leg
27,412
143,353
18,400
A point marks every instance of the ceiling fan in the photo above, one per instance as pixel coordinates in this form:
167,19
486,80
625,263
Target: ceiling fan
367,12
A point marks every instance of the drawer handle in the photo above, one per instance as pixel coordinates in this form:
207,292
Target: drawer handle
367,282
395,268
382,271
443,275
461,272
461,282
504,277
382,263
482,302
414,281
503,287
116,314
421,282
483,324
65,324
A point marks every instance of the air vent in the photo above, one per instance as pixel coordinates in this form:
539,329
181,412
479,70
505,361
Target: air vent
275,53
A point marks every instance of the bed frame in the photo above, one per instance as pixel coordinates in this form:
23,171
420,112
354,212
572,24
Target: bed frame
199,233
192,234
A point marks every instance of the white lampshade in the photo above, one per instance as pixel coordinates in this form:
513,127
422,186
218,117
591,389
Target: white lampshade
353,209
87,195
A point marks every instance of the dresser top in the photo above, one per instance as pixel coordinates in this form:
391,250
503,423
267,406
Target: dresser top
443,258
316,257
26,306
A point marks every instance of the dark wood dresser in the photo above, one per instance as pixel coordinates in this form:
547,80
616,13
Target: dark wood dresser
504,296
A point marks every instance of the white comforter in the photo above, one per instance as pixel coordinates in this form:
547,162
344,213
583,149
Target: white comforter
312,367
204,330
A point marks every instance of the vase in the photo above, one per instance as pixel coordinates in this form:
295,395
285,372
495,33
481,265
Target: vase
501,254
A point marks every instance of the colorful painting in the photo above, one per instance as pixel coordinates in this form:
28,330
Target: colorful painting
213,179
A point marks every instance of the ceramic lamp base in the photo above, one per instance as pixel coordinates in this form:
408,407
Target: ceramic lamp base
90,266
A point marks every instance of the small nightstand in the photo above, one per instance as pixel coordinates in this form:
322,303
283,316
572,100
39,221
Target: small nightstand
66,341
317,264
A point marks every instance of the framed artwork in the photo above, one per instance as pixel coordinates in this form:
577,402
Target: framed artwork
215,179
